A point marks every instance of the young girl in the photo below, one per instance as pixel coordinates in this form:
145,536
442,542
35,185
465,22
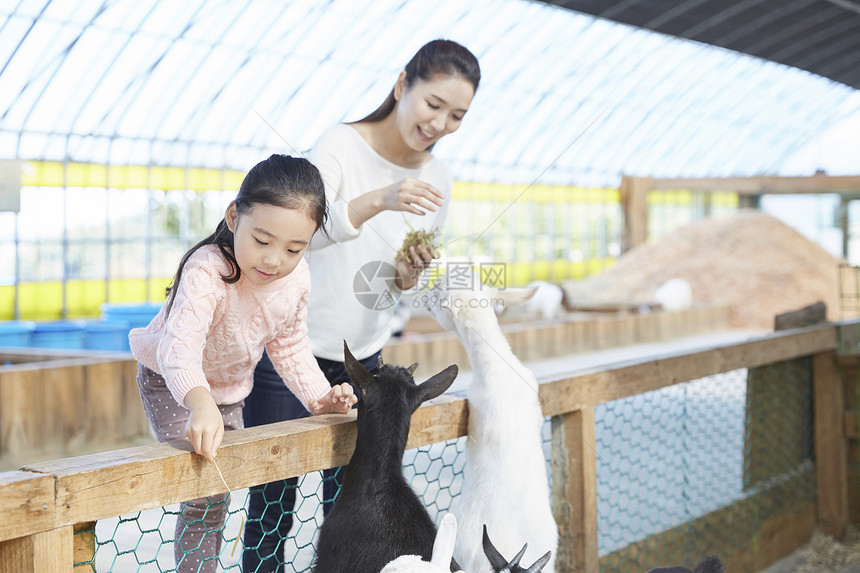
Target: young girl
240,290
381,180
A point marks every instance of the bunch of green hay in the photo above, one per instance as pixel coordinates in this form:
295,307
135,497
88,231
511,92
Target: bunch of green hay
414,238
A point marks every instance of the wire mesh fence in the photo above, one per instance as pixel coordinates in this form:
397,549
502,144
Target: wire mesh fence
696,468
144,541
690,469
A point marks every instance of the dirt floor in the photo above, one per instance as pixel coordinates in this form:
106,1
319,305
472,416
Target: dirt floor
823,554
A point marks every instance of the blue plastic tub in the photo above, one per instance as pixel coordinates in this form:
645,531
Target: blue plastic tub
107,335
60,334
16,332
134,315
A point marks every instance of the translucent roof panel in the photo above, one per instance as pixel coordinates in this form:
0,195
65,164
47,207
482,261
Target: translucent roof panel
564,96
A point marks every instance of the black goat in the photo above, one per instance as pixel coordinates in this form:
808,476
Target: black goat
500,564
710,564
377,516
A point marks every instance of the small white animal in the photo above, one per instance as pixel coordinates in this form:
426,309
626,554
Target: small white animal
443,552
546,302
674,294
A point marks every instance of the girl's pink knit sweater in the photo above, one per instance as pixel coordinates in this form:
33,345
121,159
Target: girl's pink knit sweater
216,332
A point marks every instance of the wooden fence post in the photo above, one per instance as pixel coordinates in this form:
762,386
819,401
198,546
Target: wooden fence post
831,446
39,552
574,490
634,204
84,546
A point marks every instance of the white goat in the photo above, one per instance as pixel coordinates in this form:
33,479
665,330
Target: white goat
505,484
546,303
674,295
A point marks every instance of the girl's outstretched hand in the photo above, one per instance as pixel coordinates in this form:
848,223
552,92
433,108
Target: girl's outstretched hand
339,400
205,426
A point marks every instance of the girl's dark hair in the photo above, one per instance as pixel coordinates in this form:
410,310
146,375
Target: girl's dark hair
280,181
436,57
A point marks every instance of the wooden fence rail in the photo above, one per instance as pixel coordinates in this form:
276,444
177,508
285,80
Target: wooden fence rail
43,502
57,404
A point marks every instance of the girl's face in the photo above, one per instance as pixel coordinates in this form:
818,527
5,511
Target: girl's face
269,241
429,110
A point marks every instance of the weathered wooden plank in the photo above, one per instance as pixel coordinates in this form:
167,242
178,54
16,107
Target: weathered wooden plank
831,446
67,397
782,535
762,184
26,503
22,419
135,425
590,388
40,552
574,491
103,407
107,484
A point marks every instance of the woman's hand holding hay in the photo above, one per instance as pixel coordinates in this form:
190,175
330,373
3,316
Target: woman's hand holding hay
418,251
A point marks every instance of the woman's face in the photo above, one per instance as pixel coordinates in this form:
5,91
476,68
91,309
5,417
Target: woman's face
429,110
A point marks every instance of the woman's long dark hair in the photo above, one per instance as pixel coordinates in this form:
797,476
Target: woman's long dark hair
437,57
280,181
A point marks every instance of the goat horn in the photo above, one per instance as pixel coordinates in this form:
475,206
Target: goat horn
539,564
516,560
379,362
412,368
493,556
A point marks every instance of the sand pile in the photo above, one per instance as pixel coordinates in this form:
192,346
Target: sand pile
751,262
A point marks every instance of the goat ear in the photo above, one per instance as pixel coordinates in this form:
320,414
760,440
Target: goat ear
446,536
515,296
496,560
438,383
356,371
539,564
411,368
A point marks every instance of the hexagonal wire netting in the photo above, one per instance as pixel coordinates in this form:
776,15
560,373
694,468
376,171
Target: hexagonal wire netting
696,468
687,470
